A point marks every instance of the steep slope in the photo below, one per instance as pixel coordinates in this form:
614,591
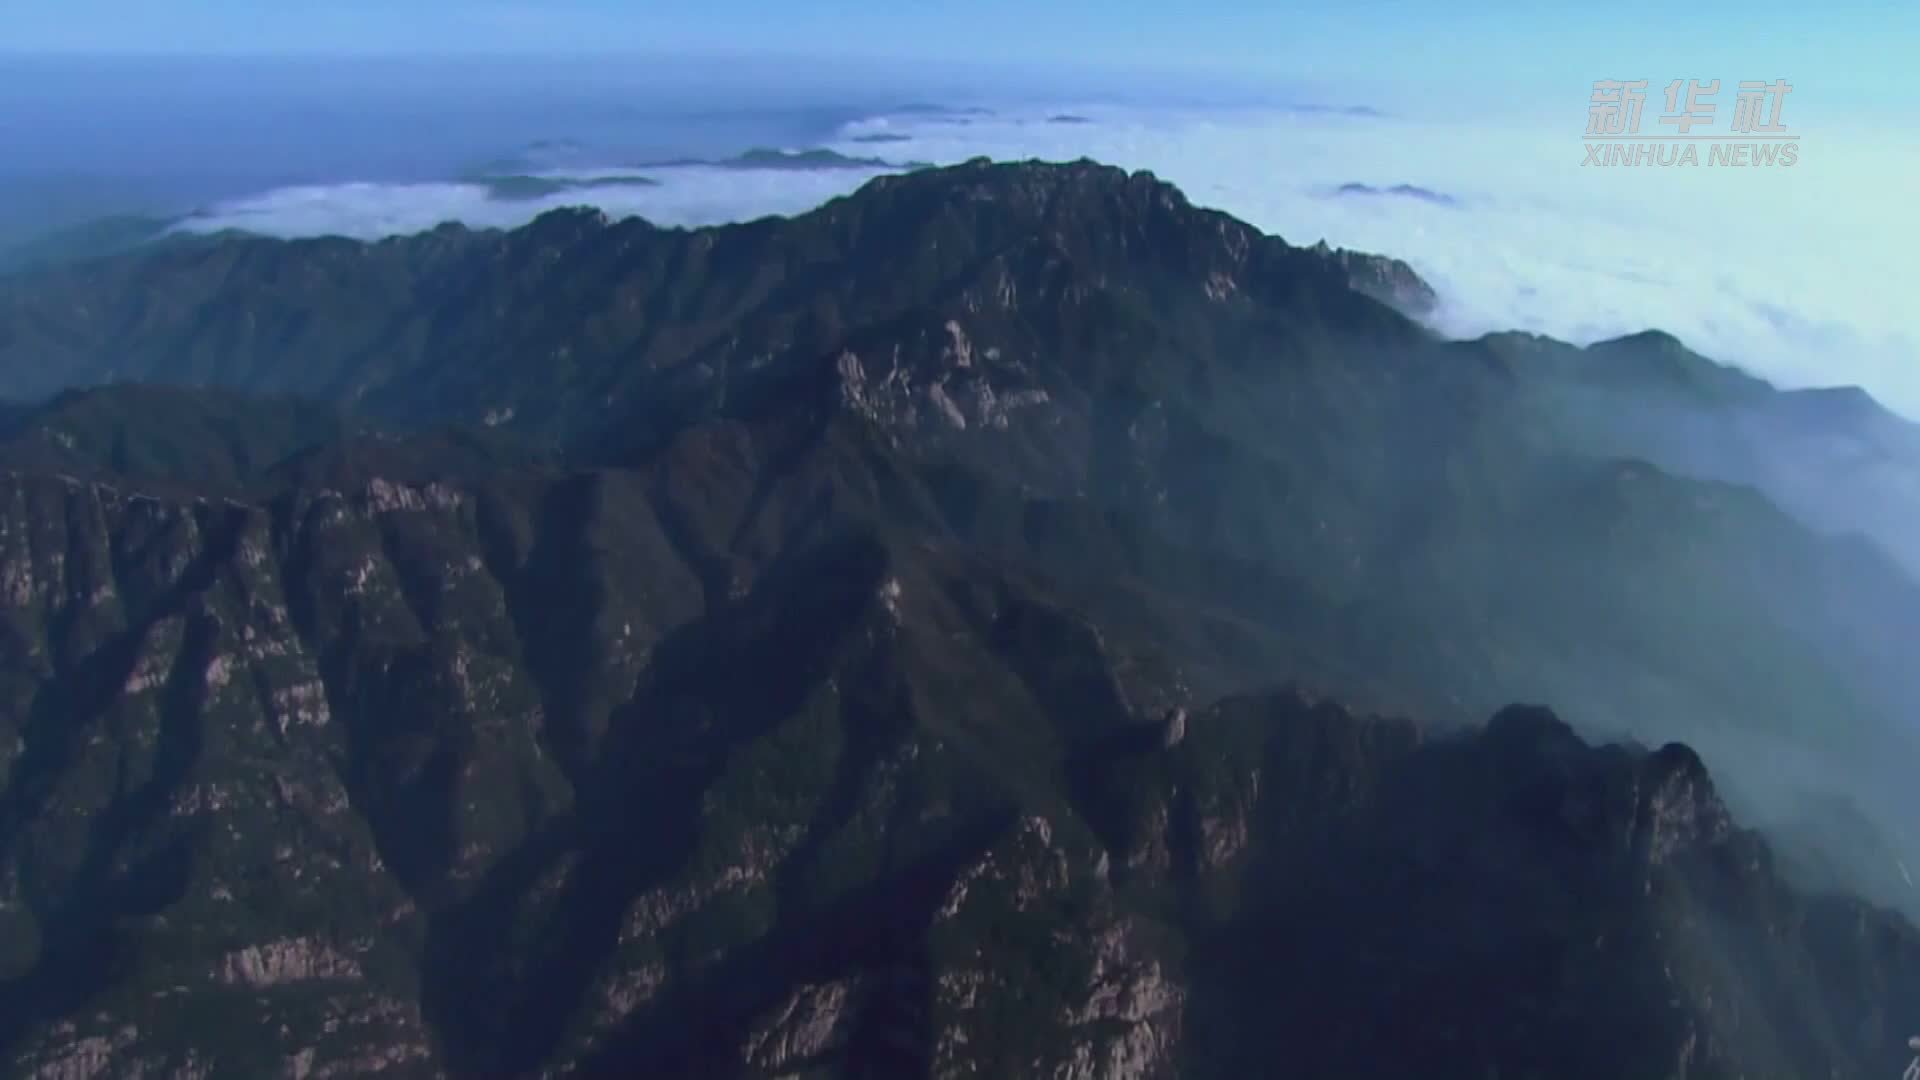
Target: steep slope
848,646
190,440
597,772
1833,456
1293,479
556,326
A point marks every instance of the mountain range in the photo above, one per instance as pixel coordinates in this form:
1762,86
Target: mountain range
1008,621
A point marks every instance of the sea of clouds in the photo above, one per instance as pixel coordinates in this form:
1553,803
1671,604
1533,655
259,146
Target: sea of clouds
1797,274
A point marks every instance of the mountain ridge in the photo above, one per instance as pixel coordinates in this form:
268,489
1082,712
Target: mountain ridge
910,639
1386,278
1109,768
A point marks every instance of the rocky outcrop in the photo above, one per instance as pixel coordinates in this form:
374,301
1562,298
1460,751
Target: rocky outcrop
279,962
809,1022
80,1058
1388,280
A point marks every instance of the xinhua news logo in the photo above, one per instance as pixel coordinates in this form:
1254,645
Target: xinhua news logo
1754,136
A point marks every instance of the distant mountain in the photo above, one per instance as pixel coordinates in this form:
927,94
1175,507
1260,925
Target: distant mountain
762,158
904,640
539,156
524,187
1835,456
1398,191
1340,110
314,317
947,113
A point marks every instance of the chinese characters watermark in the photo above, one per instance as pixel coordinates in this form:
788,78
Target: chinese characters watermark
1755,134
1913,1070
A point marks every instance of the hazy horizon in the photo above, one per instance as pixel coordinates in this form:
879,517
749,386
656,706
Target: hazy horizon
1789,273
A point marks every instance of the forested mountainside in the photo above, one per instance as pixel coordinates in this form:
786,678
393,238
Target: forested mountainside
1006,622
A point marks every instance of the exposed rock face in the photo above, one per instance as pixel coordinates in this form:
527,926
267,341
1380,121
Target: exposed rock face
278,962
1176,730
880,682
997,941
811,1022
1390,281
80,1059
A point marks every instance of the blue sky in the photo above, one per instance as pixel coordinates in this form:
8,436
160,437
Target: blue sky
1852,53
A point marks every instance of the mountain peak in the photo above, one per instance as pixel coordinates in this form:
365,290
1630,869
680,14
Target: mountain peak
1650,339
560,327
1657,360
849,631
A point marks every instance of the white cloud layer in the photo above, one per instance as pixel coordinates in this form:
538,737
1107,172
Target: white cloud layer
1797,274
